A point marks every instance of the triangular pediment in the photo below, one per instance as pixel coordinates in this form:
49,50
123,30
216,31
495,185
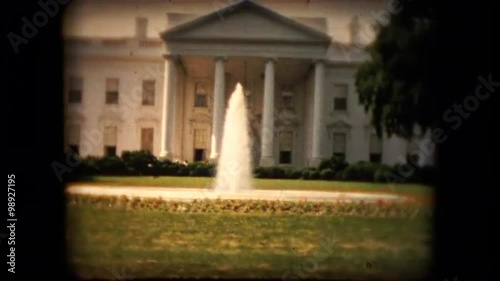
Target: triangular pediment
245,21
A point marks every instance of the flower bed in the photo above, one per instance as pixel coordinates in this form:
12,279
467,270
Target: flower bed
380,208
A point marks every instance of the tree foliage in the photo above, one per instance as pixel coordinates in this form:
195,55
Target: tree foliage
395,85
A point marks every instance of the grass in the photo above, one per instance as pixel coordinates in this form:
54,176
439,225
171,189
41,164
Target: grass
144,243
269,184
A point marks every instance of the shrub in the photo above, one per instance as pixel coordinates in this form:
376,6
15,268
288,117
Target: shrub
166,168
335,164
306,172
182,171
310,174
381,173
200,169
88,166
139,162
294,174
270,173
361,171
110,165
327,174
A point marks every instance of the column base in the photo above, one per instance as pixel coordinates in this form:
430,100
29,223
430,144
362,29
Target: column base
213,159
165,155
266,161
315,161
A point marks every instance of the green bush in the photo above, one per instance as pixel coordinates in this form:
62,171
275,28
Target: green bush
139,162
294,174
335,164
110,165
361,171
166,168
306,172
200,169
381,173
327,174
311,173
183,171
270,173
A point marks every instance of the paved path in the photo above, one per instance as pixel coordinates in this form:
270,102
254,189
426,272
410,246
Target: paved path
189,194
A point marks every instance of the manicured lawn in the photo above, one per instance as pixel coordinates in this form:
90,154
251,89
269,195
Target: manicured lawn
272,184
143,243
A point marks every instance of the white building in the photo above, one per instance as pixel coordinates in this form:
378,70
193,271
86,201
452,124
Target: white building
157,75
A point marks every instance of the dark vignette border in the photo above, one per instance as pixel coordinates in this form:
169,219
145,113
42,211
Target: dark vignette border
465,200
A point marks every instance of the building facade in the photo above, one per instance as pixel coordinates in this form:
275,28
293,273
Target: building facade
157,75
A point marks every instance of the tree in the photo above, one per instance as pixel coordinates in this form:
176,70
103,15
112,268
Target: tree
395,85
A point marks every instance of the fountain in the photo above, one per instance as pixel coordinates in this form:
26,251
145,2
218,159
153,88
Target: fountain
234,168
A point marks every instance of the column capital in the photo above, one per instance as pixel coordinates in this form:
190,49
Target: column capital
174,58
220,58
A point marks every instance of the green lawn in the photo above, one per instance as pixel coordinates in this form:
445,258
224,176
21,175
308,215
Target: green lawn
288,184
142,243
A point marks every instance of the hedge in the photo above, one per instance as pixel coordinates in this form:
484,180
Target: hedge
136,163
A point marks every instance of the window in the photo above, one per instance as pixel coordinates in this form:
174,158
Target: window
148,92
74,139
110,134
112,86
147,137
199,155
75,90
287,99
200,144
200,96
340,97
286,147
339,145
375,149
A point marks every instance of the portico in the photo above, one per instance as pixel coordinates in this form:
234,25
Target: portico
273,57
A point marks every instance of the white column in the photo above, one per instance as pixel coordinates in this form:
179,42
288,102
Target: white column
218,113
319,90
168,107
267,136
